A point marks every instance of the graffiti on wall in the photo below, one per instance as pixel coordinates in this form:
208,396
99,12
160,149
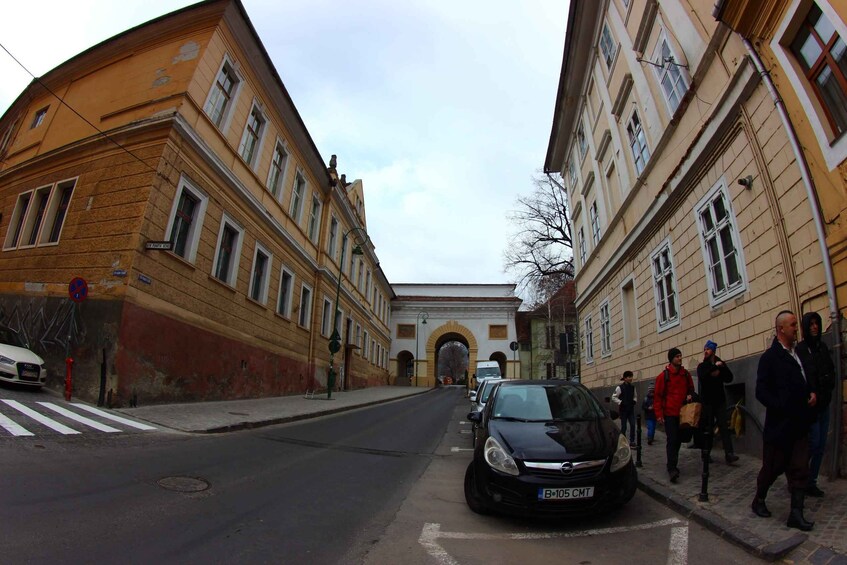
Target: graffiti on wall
47,325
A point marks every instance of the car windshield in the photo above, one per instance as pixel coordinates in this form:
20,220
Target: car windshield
487,372
546,403
487,387
11,337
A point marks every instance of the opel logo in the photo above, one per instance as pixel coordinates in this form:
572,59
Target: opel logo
567,468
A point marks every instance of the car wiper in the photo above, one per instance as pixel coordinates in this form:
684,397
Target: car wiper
510,419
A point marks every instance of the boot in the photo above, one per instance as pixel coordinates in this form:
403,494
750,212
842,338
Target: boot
759,508
731,458
796,518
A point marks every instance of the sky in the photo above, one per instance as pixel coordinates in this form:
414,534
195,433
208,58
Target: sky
442,107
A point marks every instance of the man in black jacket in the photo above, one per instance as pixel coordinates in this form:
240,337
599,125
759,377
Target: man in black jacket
712,374
817,361
783,388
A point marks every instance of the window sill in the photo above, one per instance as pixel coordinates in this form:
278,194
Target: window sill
221,283
263,305
180,259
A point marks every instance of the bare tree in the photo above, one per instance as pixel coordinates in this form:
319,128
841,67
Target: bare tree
453,359
542,246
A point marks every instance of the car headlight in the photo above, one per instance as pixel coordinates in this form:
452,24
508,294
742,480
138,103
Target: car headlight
6,361
497,458
623,454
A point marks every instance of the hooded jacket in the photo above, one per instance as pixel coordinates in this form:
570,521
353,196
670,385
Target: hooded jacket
817,361
667,401
784,391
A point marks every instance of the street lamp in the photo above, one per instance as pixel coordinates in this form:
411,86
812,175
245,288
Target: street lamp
335,338
420,318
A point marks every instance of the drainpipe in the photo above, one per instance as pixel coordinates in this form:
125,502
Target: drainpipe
811,195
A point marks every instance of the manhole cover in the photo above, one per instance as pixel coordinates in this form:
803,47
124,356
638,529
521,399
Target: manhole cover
183,484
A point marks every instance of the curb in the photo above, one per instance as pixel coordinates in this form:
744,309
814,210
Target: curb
747,540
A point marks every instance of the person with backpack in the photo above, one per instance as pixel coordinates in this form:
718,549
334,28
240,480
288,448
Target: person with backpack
649,413
712,374
626,399
674,387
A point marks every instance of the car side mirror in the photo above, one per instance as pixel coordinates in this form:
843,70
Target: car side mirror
473,396
475,417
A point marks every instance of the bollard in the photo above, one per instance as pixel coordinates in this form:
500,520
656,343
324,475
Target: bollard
68,377
638,441
706,455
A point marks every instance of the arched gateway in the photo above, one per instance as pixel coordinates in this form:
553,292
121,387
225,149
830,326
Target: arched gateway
424,317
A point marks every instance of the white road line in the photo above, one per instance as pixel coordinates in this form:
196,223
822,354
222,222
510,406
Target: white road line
112,417
13,427
678,546
81,419
465,431
53,424
458,449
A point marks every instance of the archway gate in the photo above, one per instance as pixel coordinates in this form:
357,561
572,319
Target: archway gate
424,316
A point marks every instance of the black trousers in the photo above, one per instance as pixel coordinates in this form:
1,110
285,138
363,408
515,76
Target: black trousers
790,458
672,447
712,413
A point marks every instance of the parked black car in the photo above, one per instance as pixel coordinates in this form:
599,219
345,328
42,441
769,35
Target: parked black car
547,448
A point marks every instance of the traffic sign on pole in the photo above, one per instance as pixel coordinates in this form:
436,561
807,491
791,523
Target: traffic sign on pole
78,289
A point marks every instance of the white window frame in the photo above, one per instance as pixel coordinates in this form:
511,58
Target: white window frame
583,252
304,313
667,69
226,114
257,135
605,329
581,141
717,297
283,304
594,217
332,243
265,276
608,46
232,275
196,228
834,148
312,230
15,231
38,117
326,317
630,340
589,340
276,173
34,220
661,296
637,135
366,336
298,194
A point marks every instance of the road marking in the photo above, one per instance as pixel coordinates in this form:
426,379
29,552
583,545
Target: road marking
465,431
13,427
81,419
677,549
112,417
458,449
52,424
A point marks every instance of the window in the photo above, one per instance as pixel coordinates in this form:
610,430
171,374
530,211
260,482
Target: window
361,276
228,252
607,46
332,246
305,306
186,220
664,285
259,278
36,216
277,172
595,222
358,336
326,318
823,58
13,235
252,136
589,341
57,210
582,251
221,96
572,178
286,284
39,215
721,251
314,218
605,330
580,139
337,323
365,343
368,286
39,117
630,316
669,74
637,143
297,196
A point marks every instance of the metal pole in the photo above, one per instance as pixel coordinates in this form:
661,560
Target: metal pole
638,462
331,378
706,453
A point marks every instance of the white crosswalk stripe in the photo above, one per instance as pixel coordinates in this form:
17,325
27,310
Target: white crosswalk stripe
13,427
81,419
112,417
52,424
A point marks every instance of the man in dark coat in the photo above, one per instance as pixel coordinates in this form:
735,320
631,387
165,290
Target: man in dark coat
818,362
712,374
783,388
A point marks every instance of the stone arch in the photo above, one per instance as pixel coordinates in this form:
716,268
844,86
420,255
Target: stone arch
449,327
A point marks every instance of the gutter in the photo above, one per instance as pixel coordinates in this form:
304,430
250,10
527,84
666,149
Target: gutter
811,195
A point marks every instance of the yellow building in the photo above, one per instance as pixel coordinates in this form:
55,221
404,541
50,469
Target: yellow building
181,131
691,212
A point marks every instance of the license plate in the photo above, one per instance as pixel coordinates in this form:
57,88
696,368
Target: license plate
29,374
565,493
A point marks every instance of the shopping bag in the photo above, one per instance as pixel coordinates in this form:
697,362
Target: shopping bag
689,415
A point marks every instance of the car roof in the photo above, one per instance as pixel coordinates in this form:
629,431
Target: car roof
545,382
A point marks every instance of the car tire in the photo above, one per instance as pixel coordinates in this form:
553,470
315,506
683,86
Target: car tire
472,495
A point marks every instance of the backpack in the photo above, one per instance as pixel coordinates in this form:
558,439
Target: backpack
647,404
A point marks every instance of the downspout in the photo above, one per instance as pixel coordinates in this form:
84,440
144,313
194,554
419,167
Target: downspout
811,195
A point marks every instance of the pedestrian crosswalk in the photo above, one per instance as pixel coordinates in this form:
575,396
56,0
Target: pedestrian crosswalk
21,420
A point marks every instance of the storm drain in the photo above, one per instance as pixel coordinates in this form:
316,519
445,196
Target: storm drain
183,484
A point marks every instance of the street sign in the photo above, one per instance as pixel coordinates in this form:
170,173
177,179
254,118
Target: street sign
163,245
514,346
334,346
78,289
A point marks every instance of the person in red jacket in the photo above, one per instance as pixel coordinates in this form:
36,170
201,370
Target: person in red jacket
674,387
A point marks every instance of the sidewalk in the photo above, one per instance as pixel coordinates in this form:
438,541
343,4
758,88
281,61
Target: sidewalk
728,512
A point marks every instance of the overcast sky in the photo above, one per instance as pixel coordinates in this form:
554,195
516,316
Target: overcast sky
442,107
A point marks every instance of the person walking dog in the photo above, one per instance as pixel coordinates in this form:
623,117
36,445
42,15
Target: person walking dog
674,387
783,387
712,374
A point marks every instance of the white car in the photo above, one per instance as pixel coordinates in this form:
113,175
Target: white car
18,364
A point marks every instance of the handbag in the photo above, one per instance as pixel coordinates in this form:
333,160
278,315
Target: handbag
689,415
